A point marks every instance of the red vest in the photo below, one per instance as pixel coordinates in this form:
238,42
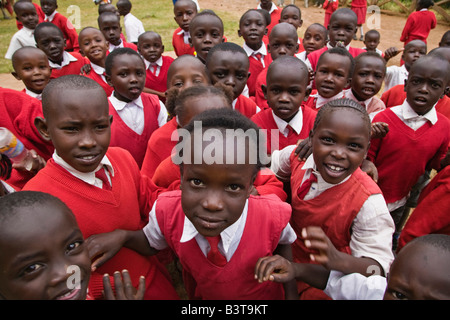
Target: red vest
159,83
179,46
246,106
255,68
97,78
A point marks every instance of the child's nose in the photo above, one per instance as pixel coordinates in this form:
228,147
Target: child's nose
86,140
213,202
230,81
58,273
338,152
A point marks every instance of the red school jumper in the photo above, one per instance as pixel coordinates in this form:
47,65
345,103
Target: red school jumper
418,26
179,46
313,57
360,8
159,147
97,78
255,68
69,31
124,137
246,106
264,119
97,210
74,67
159,83
267,217
334,210
403,155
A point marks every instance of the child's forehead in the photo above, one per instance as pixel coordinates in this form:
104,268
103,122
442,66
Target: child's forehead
150,37
252,16
90,32
220,57
342,20
287,73
25,7
31,56
48,31
369,62
183,6
109,19
291,11
315,30
206,21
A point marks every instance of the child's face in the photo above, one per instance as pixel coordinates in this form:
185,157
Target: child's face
122,8
33,69
39,254
93,45
214,195
52,43
285,91
187,75
332,75
371,41
419,273
252,29
292,16
48,6
79,127
196,105
341,28
127,77
229,68
367,77
282,43
111,29
150,47
314,39
184,13
445,41
426,84
339,144
205,34
413,52
28,16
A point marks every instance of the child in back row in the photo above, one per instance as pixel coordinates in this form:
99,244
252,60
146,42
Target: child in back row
214,217
315,38
109,25
136,114
419,23
102,185
184,11
133,26
371,42
293,15
273,10
330,191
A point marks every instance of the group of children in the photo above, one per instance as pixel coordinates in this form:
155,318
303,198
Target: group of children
123,176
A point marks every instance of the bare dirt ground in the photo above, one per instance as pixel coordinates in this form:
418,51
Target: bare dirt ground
390,28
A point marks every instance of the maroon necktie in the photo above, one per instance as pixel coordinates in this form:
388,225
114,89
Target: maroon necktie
101,174
214,254
304,188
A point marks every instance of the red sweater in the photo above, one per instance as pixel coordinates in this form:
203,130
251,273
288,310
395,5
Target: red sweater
431,214
313,57
97,210
179,46
168,174
334,210
97,78
274,19
267,217
418,26
255,68
246,106
159,147
69,31
403,155
264,119
259,94
124,137
73,67
159,83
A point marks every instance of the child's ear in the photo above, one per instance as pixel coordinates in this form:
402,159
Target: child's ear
15,75
349,81
65,43
190,41
264,90
300,24
446,91
162,48
41,125
248,75
239,33
110,119
108,79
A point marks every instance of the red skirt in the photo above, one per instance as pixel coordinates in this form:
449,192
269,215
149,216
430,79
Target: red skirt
361,14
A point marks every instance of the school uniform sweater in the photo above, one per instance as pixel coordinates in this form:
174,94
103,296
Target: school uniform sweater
74,67
418,26
97,78
259,94
360,8
159,147
431,214
126,206
313,57
246,106
264,119
159,83
178,44
267,217
334,210
125,137
255,69
68,30
403,155
329,7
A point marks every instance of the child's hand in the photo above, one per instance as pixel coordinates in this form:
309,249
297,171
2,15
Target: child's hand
369,167
86,69
323,250
274,268
391,52
103,247
124,289
32,162
379,130
303,150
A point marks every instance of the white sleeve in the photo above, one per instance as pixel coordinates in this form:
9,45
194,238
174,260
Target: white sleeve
152,231
280,162
288,235
162,116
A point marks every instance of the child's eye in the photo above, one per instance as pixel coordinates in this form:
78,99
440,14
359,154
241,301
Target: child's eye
355,146
178,84
435,85
234,187
219,75
70,129
399,295
327,140
196,182
74,245
294,92
32,269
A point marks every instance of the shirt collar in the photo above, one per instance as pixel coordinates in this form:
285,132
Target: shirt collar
50,17
322,184
227,235
272,8
67,58
120,105
250,51
28,31
330,47
158,62
33,94
409,114
98,70
296,122
88,177
348,93
112,47
321,101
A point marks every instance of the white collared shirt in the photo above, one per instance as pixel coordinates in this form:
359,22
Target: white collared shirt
186,36
112,47
50,17
99,70
33,94
395,75
22,38
296,123
250,52
411,118
230,237
372,228
321,101
88,177
158,63
67,58
272,8
233,104
348,93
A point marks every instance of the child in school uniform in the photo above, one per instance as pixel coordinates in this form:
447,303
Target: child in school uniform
282,41
40,13
102,185
51,15
109,25
184,72
50,39
133,26
36,225
315,38
341,29
367,79
330,191
227,63
214,217
330,6
136,114
184,11
293,15
371,42
94,46
31,67
274,11
419,23
151,48
333,75
286,120
360,8
416,129
26,14
252,28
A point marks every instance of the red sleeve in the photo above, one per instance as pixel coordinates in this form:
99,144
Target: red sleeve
405,32
267,183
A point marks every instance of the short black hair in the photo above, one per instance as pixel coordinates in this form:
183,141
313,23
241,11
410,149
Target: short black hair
206,12
374,32
292,6
262,12
117,52
435,240
38,30
107,14
291,62
425,3
225,46
340,51
344,11
370,54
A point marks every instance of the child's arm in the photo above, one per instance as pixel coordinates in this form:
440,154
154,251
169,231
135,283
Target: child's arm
158,93
303,150
290,286
391,52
